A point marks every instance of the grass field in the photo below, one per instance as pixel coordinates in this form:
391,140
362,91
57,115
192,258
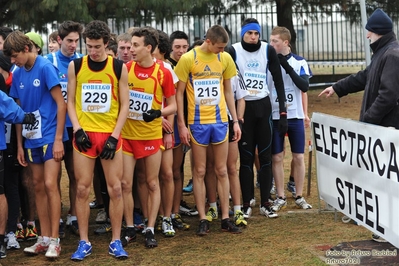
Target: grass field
296,237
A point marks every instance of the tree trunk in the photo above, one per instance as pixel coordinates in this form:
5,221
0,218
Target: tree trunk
284,19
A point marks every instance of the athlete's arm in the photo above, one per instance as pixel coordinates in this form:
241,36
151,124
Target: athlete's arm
58,146
305,109
20,147
183,131
228,95
71,97
240,109
123,103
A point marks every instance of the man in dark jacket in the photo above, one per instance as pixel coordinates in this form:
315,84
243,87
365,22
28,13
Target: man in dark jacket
380,80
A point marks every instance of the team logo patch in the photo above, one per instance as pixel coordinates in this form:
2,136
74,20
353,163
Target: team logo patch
36,83
253,63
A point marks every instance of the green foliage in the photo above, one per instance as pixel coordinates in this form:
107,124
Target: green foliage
28,14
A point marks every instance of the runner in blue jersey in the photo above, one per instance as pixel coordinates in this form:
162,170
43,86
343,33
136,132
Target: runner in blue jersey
68,38
37,89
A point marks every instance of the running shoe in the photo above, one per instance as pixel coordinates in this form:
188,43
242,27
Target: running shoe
31,232
179,223
12,242
101,217
228,226
150,241
38,247
103,229
54,249
84,250
128,235
211,214
301,203
203,228
158,223
187,210
279,204
377,238
167,227
95,205
291,188
115,249
189,187
20,234
239,218
138,220
267,211
68,220
247,212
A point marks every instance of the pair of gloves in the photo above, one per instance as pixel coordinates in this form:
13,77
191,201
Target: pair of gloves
83,142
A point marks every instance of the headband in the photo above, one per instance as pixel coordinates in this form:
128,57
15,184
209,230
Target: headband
250,26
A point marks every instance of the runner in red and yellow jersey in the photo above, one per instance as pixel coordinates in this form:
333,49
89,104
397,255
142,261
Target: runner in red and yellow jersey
149,83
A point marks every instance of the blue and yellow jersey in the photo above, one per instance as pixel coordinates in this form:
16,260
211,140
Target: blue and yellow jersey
147,88
204,74
97,97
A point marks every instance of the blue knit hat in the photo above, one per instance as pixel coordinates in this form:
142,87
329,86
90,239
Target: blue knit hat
379,22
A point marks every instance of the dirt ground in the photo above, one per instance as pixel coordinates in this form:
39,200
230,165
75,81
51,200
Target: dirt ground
296,237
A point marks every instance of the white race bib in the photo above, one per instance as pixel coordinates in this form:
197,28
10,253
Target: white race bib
139,103
7,129
64,89
207,91
289,96
255,82
33,131
96,97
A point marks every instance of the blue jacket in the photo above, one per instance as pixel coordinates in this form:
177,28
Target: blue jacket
10,112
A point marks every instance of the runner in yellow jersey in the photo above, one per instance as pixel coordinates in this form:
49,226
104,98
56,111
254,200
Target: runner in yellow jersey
98,107
205,73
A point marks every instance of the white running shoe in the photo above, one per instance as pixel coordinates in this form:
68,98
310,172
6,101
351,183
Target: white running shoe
268,212
12,242
301,203
278,204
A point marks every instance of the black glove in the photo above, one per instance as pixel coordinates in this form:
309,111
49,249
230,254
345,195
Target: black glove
29,118
284,63
109,148
282,125
82,140
151,115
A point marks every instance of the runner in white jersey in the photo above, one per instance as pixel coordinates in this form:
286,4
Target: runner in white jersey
296,75
254,60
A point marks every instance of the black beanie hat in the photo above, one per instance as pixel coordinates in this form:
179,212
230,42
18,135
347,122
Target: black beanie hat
5,62
379,22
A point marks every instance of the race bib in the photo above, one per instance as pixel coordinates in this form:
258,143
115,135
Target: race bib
289,96
207,91
256,85
33,131
96,97
139,103
64,89
7,129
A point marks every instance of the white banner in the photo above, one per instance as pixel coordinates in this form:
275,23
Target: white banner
358,172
